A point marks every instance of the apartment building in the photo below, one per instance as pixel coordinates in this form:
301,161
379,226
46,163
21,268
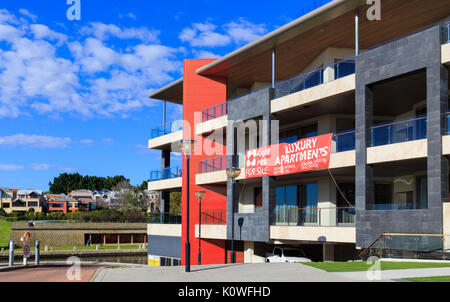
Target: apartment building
378,88
24,200
6,198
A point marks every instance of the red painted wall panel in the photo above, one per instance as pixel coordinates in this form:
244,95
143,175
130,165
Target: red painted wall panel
200,93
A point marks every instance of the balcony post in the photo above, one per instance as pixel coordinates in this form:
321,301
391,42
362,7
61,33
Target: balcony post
356,33
273,68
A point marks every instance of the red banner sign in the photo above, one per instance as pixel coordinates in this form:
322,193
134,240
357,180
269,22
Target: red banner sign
305,155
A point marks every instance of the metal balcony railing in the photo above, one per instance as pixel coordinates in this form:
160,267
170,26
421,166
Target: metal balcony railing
409,246
214,112
213,164
446,31
345,140
399,131
214,217
292,216
167,173
317,76
167,128
404,130
164,218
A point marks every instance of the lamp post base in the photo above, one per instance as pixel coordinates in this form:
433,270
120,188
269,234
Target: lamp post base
233,257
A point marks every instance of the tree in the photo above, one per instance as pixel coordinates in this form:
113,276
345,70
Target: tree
175,202
66,183
120,193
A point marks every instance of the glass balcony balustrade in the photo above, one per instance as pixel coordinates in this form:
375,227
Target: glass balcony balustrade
213,164
317,76
214,112
292,216
167,173
399,131
167,128
214,217
164,218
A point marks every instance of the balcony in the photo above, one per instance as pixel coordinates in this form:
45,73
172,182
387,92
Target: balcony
166,134
317,76
446,32
399,131
214,112
165,179
167,128
214,217
213,164
164,218
167,173
318,217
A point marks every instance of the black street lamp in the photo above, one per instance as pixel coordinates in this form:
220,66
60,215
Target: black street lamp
187,146
200,195
233,173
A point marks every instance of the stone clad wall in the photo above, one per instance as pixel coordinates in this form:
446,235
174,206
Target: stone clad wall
67,234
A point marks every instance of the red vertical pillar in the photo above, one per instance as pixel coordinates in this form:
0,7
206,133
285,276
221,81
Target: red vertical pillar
199,93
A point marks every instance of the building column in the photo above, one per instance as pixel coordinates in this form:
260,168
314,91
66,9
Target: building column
437,164
132,241
328,252
364,185
104,239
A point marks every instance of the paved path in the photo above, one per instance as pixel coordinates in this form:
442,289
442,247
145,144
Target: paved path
397,274
264,272
46,274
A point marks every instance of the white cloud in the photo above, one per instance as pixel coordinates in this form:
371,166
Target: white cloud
103,32
41,31
94,80
28,14
207,34
34,141
108,141
40,167
5,167
45,167
204,35
244,31
204,54
87,141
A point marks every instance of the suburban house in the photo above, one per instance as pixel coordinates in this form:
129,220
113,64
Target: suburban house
372,94
24,200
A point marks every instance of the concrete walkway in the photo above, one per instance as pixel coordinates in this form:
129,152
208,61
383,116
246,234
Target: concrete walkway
396,274
264,272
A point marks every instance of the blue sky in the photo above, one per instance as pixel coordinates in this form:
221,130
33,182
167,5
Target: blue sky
74,94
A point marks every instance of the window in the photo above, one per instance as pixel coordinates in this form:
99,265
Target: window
348,192
258,198
295,134
404,200
32,204
422,193
383,197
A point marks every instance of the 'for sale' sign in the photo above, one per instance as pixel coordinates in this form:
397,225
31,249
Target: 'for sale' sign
305,155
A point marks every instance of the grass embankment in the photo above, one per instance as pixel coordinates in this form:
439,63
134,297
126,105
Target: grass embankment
429,279
5,230
360,266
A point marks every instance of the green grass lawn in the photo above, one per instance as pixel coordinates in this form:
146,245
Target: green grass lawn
5,230
359,266
430,279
